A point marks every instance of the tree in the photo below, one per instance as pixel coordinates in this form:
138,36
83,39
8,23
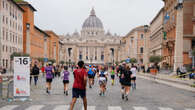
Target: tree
18,54
18,0
193,52
62,62
155,59
133,60
40,60
52,60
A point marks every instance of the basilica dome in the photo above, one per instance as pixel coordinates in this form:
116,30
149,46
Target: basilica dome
92,21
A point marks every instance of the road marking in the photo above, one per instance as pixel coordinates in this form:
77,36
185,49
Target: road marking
9,107
140,108
89,108
114,108
61,107
189,109
162,108
35,107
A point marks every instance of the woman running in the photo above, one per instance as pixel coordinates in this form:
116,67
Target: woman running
65,79
49,76
133,76
126,82
112,75
102,81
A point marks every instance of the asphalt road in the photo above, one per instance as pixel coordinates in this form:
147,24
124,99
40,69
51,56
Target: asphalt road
148,96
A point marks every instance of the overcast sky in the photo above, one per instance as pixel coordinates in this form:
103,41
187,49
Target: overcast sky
118,16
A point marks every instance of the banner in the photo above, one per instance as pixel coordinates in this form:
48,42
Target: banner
21,76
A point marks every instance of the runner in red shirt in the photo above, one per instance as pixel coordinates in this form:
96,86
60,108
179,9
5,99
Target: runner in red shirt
79,86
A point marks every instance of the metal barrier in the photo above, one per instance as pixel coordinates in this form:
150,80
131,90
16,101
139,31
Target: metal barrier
6,86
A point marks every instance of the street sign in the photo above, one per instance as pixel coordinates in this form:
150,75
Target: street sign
45,59
21,77
128,60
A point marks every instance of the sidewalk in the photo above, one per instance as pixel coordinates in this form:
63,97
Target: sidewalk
185,84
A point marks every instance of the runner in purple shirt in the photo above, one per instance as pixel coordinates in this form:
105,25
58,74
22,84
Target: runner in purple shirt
65,79
49,76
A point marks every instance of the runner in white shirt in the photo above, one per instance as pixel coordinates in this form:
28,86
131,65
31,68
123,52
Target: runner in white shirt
133,76
102,81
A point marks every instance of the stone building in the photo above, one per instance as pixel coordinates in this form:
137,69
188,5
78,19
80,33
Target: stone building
92,45
11,30
135,43
179,26
157,34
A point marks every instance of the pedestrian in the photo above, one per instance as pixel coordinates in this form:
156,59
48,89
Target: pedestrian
43,70
90,75
112,75
102,81
183,71
49,76
133,76
79,85
126,75
122,70
35,73
65,76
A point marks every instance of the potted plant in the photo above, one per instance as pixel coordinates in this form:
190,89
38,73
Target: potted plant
155,60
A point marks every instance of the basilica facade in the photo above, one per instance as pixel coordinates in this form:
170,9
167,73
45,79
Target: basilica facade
92,45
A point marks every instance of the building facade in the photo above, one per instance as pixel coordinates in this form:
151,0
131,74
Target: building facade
157,34
92,45
179,29
11,31
35,40
53,46
136,43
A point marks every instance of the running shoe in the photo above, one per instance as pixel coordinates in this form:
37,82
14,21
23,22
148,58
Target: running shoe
123,96
66,93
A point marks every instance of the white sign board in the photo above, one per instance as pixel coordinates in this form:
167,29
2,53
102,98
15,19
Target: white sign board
21,76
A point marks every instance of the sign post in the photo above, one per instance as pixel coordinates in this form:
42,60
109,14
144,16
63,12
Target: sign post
21,77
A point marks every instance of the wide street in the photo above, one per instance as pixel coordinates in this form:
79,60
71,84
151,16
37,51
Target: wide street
148,96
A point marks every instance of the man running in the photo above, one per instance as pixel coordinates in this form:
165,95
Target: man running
49,76
121,79
112,75
79,85
90,76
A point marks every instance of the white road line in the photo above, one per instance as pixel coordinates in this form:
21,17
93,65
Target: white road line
114,108
61,107
89,108
9,107
189,109
35,107
140,108
162,108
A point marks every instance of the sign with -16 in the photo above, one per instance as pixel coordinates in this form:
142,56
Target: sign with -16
21,77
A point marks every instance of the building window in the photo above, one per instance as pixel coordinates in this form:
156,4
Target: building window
194,29
194,10
95,57
3,48
141,50
6,63
3,62
3,33
7,35
86,57
142,36
102,57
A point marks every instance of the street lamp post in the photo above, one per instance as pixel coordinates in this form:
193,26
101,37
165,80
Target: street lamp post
28,38
178,53
145,47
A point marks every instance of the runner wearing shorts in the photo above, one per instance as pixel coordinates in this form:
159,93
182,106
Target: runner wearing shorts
102,81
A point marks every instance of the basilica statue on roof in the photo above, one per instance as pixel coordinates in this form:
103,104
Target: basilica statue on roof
92,45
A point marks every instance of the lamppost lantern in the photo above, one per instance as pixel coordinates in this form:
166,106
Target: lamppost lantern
146,28
27,25
180,1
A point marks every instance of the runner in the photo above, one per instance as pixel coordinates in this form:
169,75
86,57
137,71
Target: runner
126,75
133,76
79,86
35,73
121,79
65,77
95,71
90,76
49,76
102,81
113,75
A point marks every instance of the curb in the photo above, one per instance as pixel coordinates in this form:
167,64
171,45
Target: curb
168,82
